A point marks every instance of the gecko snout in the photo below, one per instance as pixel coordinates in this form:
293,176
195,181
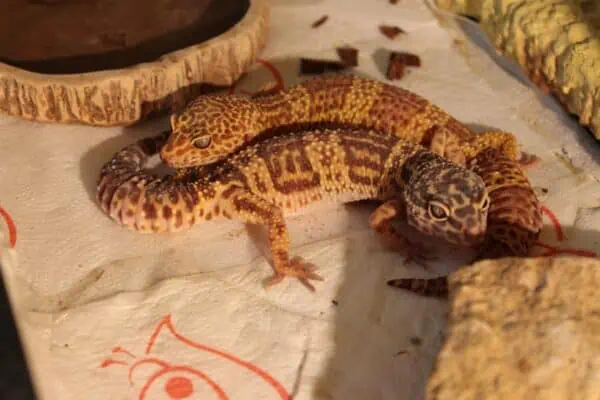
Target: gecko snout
474,236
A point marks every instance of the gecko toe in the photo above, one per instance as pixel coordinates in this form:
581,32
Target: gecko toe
303,270
297,268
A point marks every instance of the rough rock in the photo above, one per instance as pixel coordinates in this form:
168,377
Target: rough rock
556,42
521,328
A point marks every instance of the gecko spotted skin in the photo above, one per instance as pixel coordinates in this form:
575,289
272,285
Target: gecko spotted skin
263,182
210,127
213,126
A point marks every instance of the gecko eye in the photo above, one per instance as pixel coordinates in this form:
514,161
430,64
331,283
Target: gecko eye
486,203
201,142
438,211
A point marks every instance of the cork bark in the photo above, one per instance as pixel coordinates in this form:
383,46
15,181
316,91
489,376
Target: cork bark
521,328
128,95
556,42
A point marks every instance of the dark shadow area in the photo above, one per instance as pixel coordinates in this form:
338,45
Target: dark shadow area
381,57
15,378
216,18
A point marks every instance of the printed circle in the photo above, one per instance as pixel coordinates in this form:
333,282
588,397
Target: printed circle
179,387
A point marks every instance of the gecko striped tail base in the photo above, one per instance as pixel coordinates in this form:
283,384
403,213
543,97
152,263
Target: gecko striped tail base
262,183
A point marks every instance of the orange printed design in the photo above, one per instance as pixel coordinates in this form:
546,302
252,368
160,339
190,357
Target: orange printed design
277,76
549,250
161,377
11,227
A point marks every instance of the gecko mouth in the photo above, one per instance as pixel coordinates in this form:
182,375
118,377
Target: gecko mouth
166,156
474,238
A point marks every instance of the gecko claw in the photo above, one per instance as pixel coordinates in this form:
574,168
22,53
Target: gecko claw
297,268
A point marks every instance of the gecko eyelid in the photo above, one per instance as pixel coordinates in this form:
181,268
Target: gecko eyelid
438,211
486,203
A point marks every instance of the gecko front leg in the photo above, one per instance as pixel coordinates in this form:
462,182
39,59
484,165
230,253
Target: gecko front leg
380,221
250,208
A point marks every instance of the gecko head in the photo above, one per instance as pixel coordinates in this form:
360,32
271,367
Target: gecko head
208,129
445,200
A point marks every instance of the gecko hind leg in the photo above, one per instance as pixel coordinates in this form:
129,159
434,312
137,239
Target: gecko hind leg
250,208
380,221
448,145
505,142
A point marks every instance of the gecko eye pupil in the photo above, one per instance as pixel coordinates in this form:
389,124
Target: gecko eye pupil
438,211
201,142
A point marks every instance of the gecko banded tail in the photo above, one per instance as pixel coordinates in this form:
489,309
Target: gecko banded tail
142,201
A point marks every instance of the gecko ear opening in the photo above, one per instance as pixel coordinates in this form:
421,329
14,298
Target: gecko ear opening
405,173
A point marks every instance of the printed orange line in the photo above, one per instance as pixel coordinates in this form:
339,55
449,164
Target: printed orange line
166,321
162,363
276,74
233,87
274,71
552,251
555,222
119,349
109,361
189,370
12,228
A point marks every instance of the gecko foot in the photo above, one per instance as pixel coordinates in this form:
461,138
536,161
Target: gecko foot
297,268
528,160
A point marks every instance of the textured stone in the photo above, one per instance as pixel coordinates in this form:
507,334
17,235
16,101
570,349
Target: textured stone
556,42
522,329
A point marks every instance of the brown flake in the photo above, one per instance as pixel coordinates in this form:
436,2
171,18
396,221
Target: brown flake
320,21
310,66
398,61
395,70
348,55
390,31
